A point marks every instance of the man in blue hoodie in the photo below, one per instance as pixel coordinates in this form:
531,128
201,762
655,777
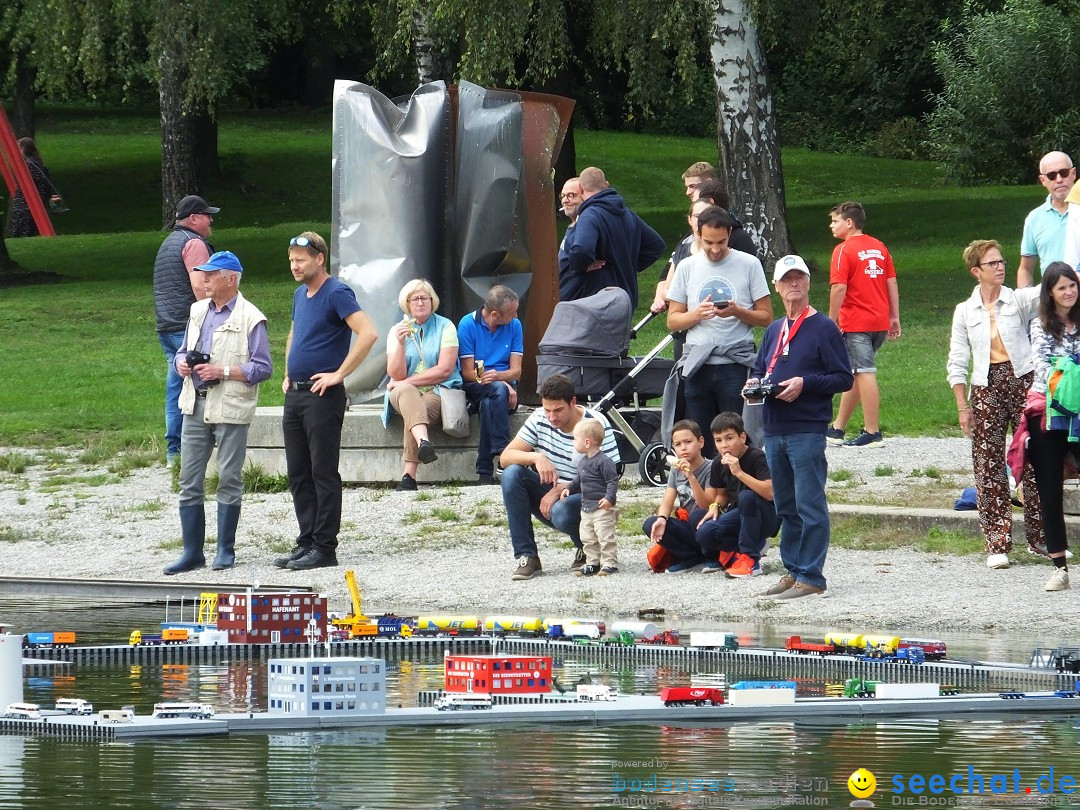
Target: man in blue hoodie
610,246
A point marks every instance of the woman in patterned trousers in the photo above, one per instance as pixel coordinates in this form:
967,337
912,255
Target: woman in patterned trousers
990,335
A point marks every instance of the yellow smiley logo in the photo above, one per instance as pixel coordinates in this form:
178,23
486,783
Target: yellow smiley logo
862,783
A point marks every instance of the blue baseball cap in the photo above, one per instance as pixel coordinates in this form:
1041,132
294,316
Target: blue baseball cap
222,260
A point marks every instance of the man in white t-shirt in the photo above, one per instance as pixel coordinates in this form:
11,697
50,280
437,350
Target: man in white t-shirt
717,296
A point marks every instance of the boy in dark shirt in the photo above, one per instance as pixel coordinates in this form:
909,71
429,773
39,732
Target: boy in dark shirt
597,481
740,482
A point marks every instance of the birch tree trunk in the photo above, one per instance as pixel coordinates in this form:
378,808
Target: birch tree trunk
432,62
746,130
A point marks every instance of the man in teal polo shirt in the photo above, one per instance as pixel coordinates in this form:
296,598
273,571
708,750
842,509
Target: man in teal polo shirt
490,347
1044,228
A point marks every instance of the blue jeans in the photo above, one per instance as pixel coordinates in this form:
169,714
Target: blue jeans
522,493
199,440
710,391
743,528
174,420
492,402
678,535
798,467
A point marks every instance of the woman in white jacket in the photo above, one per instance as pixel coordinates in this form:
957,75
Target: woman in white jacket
990,335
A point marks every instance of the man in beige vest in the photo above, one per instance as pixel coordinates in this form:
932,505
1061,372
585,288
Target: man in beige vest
224,356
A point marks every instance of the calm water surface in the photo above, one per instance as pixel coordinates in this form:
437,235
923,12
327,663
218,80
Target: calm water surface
755,765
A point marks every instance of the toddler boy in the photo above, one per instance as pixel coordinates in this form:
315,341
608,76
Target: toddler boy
597,480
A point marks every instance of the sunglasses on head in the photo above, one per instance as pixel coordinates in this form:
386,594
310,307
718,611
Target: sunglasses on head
1052,176
304,242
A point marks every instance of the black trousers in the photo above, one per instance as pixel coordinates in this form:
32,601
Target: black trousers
1047,451
312,428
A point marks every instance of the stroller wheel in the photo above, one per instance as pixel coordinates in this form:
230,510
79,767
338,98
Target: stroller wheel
652,464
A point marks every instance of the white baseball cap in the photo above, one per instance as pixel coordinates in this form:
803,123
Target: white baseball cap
786,264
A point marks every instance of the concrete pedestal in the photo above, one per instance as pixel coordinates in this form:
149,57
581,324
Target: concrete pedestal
371,453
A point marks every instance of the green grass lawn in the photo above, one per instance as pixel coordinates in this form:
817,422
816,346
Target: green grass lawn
82,364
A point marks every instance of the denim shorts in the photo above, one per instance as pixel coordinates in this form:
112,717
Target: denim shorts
862,350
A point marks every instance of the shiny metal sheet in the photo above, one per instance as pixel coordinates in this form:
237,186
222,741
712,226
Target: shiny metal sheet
391,193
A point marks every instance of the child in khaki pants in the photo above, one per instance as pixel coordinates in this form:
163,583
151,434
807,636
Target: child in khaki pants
597,481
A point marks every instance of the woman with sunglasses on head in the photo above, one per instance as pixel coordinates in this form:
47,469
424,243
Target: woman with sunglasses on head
990,334
1054,334
421,358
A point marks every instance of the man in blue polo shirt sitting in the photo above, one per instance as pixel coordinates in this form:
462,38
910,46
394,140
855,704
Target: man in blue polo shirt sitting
490,348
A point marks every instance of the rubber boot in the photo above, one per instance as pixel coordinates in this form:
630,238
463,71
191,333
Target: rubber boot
228,515
193,526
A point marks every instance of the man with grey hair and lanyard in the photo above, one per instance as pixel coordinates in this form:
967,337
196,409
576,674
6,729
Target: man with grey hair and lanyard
801,365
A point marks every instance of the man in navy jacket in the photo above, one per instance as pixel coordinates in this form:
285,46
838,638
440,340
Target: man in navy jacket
803,359
611,244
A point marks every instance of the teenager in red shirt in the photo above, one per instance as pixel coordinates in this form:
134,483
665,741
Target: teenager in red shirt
865,303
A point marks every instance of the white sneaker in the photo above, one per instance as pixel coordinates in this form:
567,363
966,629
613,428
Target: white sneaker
997,561
1059,581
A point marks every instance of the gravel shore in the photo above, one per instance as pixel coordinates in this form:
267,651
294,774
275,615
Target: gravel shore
446,549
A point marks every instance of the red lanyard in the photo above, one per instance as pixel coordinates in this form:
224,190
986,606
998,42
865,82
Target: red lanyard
786,336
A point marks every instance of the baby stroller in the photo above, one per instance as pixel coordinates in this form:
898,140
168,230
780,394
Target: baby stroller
588,340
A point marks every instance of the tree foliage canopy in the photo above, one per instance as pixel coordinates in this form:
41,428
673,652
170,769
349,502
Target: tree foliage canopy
526,44
78,47
841,71
1011,91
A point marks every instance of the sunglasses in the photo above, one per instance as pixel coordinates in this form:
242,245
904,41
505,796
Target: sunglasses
304,242
1052,176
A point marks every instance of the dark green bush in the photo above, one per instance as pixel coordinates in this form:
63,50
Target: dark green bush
904,139
1010,92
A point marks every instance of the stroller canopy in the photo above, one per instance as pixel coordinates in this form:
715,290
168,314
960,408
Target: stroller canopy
595,326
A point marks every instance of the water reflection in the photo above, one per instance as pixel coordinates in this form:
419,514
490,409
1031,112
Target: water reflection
490,767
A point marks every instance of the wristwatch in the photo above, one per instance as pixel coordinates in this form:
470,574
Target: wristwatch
225,372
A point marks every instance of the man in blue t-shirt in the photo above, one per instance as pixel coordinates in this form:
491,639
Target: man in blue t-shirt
490,347
325,316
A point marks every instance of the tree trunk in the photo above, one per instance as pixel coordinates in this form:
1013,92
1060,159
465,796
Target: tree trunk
23,108
432,61
179,173
746,130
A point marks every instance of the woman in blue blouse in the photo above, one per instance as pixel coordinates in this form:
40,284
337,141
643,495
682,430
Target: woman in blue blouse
421,358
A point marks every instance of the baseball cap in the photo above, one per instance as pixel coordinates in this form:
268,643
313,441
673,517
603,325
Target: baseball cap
194,204
785,264
222,260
